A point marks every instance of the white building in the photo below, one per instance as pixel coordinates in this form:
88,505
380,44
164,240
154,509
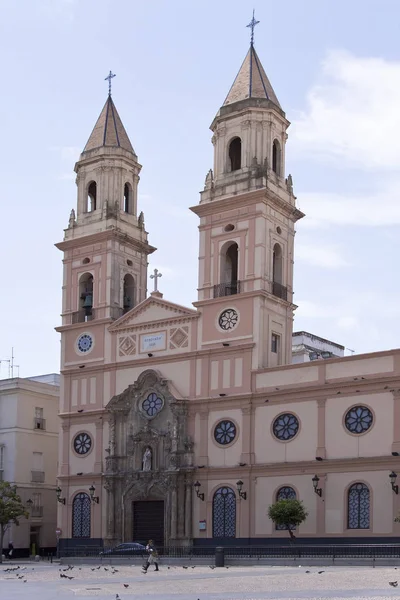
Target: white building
307,347
28,456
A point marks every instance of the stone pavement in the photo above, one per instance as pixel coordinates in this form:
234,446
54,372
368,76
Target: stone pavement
42,581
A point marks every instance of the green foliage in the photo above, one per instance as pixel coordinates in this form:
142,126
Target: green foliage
11,509
288,513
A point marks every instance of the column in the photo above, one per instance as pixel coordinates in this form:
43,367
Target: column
110,510
188,509
173,513
203,445
321,449
247,456
98,465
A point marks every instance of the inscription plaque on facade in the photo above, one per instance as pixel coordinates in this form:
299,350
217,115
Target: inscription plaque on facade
153,342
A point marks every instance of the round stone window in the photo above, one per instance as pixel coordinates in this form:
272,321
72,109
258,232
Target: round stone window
84,343
358,419
228,319
152,405
225,432
285,427
82,443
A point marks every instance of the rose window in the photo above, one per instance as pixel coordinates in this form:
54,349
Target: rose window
82,443
152,405
225,432
285,427
228,319
358,419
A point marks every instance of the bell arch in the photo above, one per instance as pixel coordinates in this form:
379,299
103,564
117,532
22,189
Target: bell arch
235,154
128,293
91,197
276,157
86,295
127,201
229,265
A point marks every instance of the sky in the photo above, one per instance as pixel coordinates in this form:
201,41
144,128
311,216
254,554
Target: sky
335,67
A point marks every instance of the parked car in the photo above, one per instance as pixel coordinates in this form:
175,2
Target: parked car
127,549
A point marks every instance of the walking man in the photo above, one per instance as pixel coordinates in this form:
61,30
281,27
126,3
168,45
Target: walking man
152,559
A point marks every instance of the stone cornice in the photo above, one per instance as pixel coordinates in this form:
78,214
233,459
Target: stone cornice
264,195
144,362
102,236
252,294
338,465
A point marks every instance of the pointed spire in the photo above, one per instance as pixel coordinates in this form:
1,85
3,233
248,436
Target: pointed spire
251,81
109,130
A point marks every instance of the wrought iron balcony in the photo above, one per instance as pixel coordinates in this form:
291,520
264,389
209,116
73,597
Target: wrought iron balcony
39,423
81,316
226,289
36,511
279,290
37,476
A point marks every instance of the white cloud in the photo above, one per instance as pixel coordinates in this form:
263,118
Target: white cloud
381,208
353,113
329,257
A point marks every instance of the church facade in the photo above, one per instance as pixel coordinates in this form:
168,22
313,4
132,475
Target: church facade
184,424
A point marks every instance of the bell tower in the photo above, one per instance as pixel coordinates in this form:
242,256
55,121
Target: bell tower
105,245
247,216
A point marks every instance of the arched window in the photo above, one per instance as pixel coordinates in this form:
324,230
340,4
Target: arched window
86,296
276,157
129,293
127,198
285,493
92,197
358,507
229,270
235,154
224,513
277,264
81,516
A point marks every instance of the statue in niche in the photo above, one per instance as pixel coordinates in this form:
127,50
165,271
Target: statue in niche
147,459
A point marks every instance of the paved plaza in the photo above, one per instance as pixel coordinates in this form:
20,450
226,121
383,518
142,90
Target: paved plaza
43,581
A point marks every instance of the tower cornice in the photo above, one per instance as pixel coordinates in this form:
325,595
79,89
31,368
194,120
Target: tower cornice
111,233
248,198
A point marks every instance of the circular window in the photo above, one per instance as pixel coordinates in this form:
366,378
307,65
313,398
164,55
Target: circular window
278,230
152,405
86,261
225,432
228,319
82,443
229,227
358,419
285,427
129,263
85,343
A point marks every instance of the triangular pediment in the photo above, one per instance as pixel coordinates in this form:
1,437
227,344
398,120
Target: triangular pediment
152,310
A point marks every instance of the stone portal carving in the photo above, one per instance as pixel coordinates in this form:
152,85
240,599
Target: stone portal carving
150,458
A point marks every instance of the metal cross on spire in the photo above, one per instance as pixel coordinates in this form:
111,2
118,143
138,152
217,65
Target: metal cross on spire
109,77
155,277
252,24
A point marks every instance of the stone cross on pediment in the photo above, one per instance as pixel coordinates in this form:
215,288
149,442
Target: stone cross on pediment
156,276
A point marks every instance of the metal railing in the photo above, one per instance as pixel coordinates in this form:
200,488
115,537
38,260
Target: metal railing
39,423
226,289
37,511
37,476
279,290
284,551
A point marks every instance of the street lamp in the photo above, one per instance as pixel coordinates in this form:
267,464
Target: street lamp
29,503
94,498
197,487
393,477
315,481
239,485
58,493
